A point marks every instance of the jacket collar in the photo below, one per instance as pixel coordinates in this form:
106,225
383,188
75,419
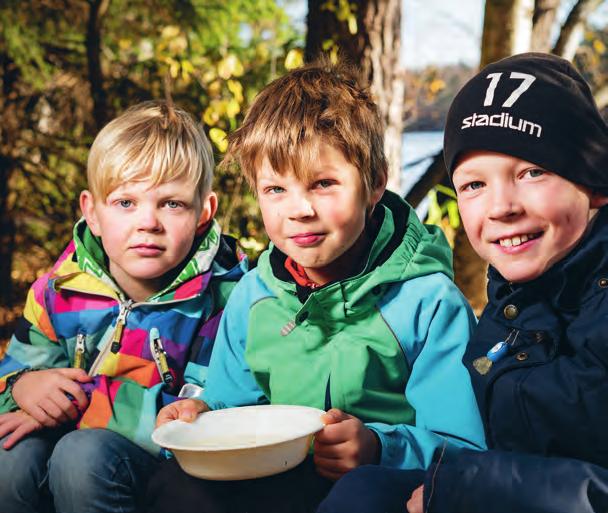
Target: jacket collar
86,267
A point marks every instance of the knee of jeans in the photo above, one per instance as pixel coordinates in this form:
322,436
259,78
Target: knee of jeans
78,455
351,492
26,465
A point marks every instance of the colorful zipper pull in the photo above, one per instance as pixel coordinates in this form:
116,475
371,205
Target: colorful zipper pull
160,357
125,308
80,351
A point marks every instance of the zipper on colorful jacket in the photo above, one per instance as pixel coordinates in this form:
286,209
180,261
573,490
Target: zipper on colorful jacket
79,354
125,308
160,357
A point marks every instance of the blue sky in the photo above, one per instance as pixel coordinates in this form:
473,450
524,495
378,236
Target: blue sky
443,31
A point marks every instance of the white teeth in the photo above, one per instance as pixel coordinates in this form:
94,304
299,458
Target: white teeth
516,241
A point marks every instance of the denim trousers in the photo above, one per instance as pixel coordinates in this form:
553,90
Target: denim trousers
372,489
81,471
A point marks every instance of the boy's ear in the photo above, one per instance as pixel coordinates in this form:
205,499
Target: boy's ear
87,205
598,200
207,212
377,192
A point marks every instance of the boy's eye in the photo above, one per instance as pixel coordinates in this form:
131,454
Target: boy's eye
273,189
472,186
125,203
324,184
534,173
173,204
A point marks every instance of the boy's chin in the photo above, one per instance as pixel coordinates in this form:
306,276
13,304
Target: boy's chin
519,275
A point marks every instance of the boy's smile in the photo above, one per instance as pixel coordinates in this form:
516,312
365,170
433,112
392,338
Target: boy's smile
518,217
146,230
318,223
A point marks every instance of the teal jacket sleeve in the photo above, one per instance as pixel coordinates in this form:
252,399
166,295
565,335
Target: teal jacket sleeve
230,382
433,322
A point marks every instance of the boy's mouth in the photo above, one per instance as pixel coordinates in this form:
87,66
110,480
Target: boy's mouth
147,249
518,240
307,239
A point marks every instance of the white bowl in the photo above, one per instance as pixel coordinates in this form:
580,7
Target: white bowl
241,443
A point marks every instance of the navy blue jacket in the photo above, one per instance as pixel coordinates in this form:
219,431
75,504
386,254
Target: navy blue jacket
547,397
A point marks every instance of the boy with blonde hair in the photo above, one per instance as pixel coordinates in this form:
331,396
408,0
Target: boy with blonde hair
127,314
351,309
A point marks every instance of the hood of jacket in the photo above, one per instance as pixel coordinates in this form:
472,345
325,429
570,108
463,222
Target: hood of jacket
84,266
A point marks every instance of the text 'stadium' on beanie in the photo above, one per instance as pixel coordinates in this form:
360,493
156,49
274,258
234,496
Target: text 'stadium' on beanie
536,107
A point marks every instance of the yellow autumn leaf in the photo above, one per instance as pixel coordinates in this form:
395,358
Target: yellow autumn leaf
218,136
174,69
328,6
599,46
352,24
436,85
214,88
236,88
333,55
210,116
169,32
327,44
124,44
294,59
230,66
208,76
262,51
232,108
178,44
187,69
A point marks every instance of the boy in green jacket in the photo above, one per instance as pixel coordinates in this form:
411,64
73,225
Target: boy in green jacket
352,309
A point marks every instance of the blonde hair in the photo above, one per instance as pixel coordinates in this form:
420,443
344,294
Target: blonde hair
320,102
150,141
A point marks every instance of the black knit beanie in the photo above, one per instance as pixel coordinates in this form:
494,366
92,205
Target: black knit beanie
536,107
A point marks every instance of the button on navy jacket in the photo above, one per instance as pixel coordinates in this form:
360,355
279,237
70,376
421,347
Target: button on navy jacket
545,403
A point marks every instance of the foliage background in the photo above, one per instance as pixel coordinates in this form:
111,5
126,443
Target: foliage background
69,66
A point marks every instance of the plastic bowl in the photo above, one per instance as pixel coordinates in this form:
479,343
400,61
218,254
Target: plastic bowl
241,443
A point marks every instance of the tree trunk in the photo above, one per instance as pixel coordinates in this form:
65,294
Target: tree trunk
97,8
545,12
375,49
11,125
507,29
573,28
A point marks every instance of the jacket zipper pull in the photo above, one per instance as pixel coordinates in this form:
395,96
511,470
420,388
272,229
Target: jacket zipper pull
80,351
125,308
160,357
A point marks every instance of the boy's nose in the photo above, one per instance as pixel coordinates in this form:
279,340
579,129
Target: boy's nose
148,220
300,206
504,203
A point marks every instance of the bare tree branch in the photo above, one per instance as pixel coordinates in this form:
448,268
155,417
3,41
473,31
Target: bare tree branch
434,174
572,29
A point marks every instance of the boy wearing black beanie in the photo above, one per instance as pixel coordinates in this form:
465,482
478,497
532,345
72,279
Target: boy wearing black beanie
527,152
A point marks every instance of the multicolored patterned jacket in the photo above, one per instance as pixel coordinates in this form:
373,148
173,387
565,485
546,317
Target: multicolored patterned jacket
139,353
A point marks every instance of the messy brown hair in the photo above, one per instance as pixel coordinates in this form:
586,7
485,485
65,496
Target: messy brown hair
320,102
